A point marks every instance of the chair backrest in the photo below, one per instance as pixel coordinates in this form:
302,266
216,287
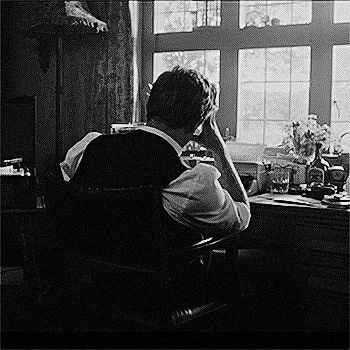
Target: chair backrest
120,226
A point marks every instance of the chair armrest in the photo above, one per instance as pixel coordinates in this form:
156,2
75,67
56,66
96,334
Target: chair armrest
207,245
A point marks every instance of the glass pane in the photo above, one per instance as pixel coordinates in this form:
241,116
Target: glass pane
166,61
341,11
273,84
299,100
339,129
212,66
251,65
341,101
281,11
276,12
301,63
250,131
251,13
277,101
278,64
341,62
173,22
301,12
251,101
274,133
183,16
341,84
205,62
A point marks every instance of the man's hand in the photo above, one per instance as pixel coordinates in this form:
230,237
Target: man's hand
210,136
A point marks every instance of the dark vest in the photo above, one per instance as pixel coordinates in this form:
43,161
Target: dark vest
131,159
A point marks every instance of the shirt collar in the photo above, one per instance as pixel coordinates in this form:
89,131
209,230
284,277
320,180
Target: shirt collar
163,135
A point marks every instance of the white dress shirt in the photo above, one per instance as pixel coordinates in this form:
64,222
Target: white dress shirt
195,199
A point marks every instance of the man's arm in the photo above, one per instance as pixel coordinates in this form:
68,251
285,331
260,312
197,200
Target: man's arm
212,139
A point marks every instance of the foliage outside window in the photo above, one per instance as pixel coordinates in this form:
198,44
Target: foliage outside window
272,13
184,16
268,77
273,87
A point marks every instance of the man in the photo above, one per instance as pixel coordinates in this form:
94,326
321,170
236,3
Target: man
181,107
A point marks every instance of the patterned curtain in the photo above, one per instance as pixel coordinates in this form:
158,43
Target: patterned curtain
97,67
98,74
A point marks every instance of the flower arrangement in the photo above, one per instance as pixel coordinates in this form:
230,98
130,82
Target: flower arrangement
301,137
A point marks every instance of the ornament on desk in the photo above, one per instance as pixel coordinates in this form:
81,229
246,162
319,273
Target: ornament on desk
337,176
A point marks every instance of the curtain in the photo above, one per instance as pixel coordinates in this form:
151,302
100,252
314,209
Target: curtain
97,67
98,74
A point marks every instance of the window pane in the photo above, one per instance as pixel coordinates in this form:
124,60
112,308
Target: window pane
183,16
205,62
278,64
301,63
273,86
341,11
277,101
339,129
341,84
274,133
252,65
301,12
251,96
250,131
280,10
341,64
276,12
299,100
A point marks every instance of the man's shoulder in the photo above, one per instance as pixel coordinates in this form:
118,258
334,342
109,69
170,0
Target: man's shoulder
206,170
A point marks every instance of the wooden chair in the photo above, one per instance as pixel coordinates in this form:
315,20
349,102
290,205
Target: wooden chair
122,261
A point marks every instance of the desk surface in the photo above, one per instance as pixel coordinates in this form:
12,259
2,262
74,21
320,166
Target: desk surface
40,208
293,201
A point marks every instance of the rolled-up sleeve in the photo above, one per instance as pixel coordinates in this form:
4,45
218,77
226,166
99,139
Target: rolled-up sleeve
197,200
75,154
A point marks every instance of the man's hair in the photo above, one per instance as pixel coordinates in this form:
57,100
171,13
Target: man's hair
181,98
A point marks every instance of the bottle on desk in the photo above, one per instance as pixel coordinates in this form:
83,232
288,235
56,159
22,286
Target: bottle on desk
318,169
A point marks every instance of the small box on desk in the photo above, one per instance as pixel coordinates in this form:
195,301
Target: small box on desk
253,175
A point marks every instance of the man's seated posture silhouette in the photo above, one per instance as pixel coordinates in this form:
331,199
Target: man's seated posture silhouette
205,198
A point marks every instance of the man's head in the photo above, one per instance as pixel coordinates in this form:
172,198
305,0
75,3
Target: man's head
181,99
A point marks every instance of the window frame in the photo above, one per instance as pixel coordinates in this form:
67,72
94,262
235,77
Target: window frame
321,34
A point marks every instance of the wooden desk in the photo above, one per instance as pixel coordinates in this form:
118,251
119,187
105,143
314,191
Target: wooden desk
21,228
313,244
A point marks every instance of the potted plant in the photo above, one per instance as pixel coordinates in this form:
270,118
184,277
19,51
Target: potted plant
301,137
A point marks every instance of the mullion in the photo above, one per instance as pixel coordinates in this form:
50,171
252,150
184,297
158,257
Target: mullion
308,37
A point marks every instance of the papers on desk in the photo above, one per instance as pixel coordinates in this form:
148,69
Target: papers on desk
292,199
9,170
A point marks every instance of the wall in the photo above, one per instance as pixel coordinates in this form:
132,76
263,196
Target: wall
97,74
22,75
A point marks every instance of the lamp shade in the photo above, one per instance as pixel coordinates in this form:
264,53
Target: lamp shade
64,16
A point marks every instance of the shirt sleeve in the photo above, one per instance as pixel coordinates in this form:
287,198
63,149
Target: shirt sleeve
74,155
197,200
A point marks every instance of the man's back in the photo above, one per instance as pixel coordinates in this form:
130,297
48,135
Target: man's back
128,159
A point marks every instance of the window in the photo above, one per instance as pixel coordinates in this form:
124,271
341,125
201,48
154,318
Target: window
341,90
269,72
263,13
205,62
183,16
341,11
273,88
